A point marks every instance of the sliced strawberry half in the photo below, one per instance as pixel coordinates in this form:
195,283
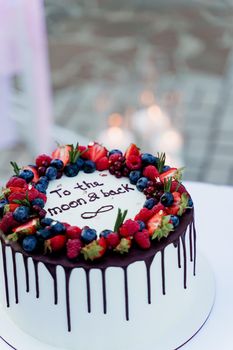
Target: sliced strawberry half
29,228
169,173
95,249
155,222
62,153
96,151
132,150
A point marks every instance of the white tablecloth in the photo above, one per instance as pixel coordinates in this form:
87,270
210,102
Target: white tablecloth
214,212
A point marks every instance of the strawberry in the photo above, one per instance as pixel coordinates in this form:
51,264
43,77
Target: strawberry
73,248
129,228
155,222
84,151
124,245
174,173
179,205
10,207
151,172
132,150
96,151
62,153
113,240
102,164
33,169
133,162
33,193
16,196
10,190
43,160
8,222
142,239
73,232
95,249
55,244
26,229
16,182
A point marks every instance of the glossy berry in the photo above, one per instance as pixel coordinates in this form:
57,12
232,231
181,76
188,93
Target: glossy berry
51,173
43,180
73,248
38,202
142,238
57,227
115,151
166,168
89,167
102,164
42,170
73,232
142,183
105,233
44,234
27,175
71,170
16,181
142,225
190,203
41,187
30,244
21,214
3,202
57,163
167,199
134,162
88,235
112,240
149,203
149,159
80,163
175,220
43,160
134,176
46,222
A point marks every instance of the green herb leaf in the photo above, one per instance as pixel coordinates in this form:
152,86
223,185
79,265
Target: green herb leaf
167,184
164,228
75,153
183,204
120,219
15,167
161,161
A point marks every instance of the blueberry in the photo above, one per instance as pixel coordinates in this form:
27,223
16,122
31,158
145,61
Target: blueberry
190,203
57,227
26,174
80,163
43,180
149,203
149,159
142,183
30,244
41,188
57,163
44,234
71,170
167,199
88,235
3,202
175,220
51,173
39,202
105,233
166,168
142,225
89,167
134,176
21,214
46,222
113,151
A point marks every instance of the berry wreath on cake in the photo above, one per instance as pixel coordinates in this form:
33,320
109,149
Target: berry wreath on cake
86,229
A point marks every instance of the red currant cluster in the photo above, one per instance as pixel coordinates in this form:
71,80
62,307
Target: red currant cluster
153,190
117,165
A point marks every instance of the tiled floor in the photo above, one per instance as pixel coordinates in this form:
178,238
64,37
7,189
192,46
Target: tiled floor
105,54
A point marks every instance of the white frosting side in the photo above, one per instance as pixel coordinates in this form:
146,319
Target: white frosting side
92,199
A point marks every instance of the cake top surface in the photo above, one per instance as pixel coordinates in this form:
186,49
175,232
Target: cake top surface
85,203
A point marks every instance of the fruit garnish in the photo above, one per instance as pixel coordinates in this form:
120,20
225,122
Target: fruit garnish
151,172
132,150
120,219
73,248
142,238
129,228
124,245
15,167
62,153
55,244
161,161
96,151
174,173
164,228
28,228
95,249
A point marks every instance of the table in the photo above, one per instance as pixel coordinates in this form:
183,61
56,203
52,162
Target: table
213,210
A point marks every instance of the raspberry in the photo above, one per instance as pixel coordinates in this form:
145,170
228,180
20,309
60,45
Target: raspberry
102,164
42,196
144,215
43,160
33,193
73,248
8,222
114,157
142,238
16,182
134,162
157,208
150,172
66,225
16,196
73,232
113,240
129,228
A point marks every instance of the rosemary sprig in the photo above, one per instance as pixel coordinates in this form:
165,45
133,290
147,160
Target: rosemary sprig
161,161
167,184
120,219
15,167
75,153
25,201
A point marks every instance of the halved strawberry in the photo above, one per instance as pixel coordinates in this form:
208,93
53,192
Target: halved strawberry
179,205
132,150
55,244
95,249
124,245
10,207
29,228
96,152
62,153
155,222
169,173
36,175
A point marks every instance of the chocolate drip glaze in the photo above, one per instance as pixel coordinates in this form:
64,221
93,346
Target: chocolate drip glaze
126,293
191,241
5,275
112,260
15,276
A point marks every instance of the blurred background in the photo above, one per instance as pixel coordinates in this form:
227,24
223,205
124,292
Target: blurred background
155,72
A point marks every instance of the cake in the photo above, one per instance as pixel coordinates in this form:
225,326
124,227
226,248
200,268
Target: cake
96,245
